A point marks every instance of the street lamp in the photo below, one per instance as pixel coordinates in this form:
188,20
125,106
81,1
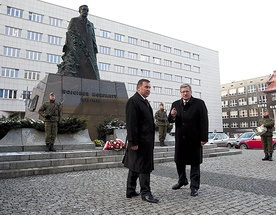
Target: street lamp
273,107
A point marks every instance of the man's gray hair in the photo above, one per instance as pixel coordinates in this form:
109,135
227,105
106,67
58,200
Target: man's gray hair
186,85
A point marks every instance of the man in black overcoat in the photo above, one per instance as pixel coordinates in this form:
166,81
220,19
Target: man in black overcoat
191,132
140,142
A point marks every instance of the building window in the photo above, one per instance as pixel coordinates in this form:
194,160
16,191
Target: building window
131,87
145,58
12,52
156,60
167,77
119,37
9,72
188,80
233,103
132,40
14,12
167,49
262,86
233,114
132,55
132,71
26,94
145,43
177,65
156,75
168,63
33,55
196,69
243,113
241,90
177,52
51,58
168,91
223,93
119,69
197,94
225,115
156,89
196,82
54,40
8,94
234,125
104,50
145,73
14,32
273,97
225,125
263,99
252,100
55,22
242,102
105,34
31,75
156,46
178,78
253,124
253,112
244,125
224,103
104,66
187,67
232,92
196,56
35,17
119,53
187,54
34,36
251,89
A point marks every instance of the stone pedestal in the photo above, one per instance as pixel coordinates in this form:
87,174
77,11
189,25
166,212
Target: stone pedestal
93,99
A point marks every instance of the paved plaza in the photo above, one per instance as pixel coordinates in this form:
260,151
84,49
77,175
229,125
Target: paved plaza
237,184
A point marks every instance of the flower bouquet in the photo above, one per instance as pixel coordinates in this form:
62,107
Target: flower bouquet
116,145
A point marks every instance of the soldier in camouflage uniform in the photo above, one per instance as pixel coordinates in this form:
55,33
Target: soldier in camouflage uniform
162,123
268,123
51,113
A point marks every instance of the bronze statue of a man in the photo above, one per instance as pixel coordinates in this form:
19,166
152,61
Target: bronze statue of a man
80,49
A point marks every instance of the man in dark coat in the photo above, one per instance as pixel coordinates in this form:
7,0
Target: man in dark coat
140,142
191,132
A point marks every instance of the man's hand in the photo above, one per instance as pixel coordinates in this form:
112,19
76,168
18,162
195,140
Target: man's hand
173,112
134,148
203,143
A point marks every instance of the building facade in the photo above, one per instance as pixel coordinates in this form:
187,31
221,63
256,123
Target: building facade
243,103
33,33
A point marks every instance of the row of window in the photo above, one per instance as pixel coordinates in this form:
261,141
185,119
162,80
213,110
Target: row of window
242,113
252,124
31,55
14,73
12,94
243,101
146,58
242,90
35,17
144,43
148,73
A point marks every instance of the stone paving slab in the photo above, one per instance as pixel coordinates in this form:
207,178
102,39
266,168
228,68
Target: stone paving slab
239,184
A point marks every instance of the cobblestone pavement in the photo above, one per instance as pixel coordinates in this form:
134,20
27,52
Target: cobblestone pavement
237,184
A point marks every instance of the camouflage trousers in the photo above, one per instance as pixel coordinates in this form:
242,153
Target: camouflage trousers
162,132
267,144
51,129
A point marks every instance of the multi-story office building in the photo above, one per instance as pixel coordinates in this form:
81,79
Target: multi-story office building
243,103
33,33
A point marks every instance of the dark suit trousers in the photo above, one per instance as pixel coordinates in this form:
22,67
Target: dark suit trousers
144,180
194,175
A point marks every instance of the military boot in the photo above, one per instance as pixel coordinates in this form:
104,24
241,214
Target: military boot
51,148
47,148
270,157
265,157
162,143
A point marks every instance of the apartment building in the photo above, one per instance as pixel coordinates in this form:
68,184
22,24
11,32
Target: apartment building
33,33
243,103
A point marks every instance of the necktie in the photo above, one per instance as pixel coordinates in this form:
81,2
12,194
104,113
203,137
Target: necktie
185,102
147,102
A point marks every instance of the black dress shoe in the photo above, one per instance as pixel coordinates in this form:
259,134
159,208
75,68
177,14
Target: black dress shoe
132,195
194,192
179,185
150,198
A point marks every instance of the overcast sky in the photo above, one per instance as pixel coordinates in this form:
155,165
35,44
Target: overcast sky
242,31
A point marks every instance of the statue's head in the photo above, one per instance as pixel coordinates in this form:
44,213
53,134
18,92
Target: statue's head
83,7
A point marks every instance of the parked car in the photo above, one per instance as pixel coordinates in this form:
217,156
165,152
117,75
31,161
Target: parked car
255,142
220,139
232,139
243,136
